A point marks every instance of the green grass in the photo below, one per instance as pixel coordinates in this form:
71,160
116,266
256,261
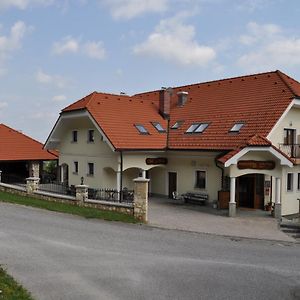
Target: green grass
66,208
10,289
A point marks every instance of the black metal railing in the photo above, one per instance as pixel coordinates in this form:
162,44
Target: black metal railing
292,151
112,195
13,179
58,188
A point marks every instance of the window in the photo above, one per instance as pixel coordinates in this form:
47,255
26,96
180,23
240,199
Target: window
201,128
74,136
75,167
90,169
289,136
237,127
91,138
289,184
141,129
177,124
298,182
197,128
158,127
200,179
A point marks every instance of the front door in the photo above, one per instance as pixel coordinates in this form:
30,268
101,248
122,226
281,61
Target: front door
172,183
250,191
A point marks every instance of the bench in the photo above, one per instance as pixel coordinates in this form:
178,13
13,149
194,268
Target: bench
195,197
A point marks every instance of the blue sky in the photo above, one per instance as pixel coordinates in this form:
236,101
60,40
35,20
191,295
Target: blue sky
54,52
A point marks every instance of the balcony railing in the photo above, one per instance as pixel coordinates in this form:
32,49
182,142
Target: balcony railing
292,151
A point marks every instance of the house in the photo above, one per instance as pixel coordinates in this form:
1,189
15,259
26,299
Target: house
236,140
21,156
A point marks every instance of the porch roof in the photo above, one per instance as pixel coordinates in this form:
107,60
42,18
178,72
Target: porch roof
16,146
255,143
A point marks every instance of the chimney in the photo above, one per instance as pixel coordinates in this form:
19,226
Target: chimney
182,98
165,102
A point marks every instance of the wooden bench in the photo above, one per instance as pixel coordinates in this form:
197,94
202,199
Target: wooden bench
195,197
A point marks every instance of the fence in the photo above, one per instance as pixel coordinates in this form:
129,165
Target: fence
58,188
13,179
111,195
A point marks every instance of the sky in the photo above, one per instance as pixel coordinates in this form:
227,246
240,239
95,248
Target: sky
55,52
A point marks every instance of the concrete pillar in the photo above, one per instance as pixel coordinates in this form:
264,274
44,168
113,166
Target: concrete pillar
277,208
119,184
32,184
232,203
144,173
141,199
61,173
81,192
34,169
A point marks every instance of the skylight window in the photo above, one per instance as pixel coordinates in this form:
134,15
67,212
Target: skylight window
158,127
192,128
201,128
177,125
197,128
237,127
141,129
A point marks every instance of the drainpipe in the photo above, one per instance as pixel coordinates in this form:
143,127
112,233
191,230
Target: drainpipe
222,178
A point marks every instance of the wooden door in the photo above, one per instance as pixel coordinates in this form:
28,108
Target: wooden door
172,183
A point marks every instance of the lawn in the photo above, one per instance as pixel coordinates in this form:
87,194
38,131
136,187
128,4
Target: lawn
66,208
10,289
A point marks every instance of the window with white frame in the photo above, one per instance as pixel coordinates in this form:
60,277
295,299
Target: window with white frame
289,181
200,179
91,136
74,136
75,167
91,169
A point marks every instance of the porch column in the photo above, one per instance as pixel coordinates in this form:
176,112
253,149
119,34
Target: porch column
62,172
232,203
277,209
0,175
143,173
119,184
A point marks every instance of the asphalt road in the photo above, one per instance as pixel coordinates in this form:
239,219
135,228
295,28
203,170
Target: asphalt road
58,256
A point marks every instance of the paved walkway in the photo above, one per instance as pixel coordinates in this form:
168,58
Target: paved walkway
166,213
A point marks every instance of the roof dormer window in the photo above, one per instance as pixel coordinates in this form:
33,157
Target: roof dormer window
197,128
237,127
158,127
141,129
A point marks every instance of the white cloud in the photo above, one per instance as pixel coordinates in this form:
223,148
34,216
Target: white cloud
269,47
92,49
55,80
59,98
11,42
67,44
22,4
127,9
252,5
3,105
257,33
174,41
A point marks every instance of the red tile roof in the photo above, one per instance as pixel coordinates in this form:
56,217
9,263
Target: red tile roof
256,100
15,145
254,141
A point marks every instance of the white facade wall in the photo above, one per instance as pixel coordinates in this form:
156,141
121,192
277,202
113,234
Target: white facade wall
290,121
99,153
290,204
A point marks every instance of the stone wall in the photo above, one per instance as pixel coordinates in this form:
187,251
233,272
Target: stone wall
101,205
